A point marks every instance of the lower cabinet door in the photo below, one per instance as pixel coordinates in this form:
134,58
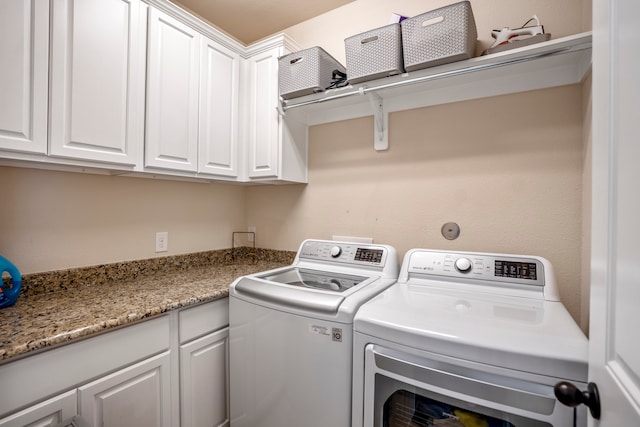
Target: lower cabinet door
45,414
204,381
139,395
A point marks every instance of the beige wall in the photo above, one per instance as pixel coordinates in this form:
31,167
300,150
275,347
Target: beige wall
56,220
507,169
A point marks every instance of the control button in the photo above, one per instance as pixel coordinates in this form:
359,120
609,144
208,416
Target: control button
336,251
463,265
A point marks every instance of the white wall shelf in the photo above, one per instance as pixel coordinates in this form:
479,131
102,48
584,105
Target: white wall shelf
557,62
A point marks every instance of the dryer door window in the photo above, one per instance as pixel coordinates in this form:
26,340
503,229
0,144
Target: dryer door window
402,389
422,408
405,408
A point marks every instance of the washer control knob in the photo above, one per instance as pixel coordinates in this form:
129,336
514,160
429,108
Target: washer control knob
336,251
463,265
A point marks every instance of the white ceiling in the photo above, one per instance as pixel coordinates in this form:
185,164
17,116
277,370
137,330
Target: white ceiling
251,20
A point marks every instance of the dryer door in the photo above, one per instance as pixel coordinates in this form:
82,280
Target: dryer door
404,390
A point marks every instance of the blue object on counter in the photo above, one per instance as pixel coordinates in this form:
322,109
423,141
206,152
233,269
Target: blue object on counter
9,295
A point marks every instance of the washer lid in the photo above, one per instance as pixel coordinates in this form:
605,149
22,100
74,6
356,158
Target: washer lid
530,335
258,291
316,279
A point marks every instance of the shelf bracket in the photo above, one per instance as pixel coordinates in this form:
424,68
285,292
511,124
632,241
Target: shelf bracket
380,122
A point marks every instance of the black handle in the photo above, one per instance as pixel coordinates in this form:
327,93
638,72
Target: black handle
569,395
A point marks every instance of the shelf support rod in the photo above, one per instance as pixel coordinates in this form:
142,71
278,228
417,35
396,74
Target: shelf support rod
380,122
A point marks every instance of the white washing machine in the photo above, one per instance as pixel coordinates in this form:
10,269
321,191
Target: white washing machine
291,336
467,339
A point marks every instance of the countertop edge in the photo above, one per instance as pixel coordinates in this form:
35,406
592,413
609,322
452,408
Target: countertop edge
81,303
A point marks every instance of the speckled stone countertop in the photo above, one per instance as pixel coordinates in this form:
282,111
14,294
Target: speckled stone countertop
60,306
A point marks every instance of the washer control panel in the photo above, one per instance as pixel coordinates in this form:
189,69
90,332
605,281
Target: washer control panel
341,252
459,265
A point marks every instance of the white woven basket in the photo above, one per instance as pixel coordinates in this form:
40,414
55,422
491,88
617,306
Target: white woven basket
305,72
444,35
374,54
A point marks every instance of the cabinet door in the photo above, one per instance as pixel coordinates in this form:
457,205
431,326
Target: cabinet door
264,124
24,44
135,396
45,414
97,80
204,381
172,98
218,133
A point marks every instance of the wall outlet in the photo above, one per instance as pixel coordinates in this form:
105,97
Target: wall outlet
162,241
251,237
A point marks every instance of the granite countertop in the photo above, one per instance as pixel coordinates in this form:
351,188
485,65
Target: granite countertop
58,307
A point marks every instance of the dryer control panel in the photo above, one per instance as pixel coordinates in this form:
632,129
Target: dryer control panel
469,266
342,252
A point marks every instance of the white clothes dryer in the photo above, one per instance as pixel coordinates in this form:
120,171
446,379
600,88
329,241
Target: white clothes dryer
467,339
291,334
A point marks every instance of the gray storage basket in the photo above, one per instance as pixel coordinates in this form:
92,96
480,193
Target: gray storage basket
374,54
444,35
305,72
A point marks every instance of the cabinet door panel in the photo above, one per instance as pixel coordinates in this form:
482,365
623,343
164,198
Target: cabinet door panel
136,396
24,43
45,414
264,120
204,381
97,80
218,134
172,102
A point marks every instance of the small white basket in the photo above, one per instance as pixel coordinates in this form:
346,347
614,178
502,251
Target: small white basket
306,72
374,54
444,35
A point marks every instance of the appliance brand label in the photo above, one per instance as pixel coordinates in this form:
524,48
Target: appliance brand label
319,330
334,333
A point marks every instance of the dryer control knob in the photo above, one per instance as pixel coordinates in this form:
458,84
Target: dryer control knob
463,265
336,251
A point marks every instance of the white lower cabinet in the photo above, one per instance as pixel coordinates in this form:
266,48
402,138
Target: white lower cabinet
139,395
204,352
45,414
150,374
204,382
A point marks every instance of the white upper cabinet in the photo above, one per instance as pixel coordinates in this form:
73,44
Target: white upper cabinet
24,44
192,100
263,114
218,128
172,94
97,80
277,145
